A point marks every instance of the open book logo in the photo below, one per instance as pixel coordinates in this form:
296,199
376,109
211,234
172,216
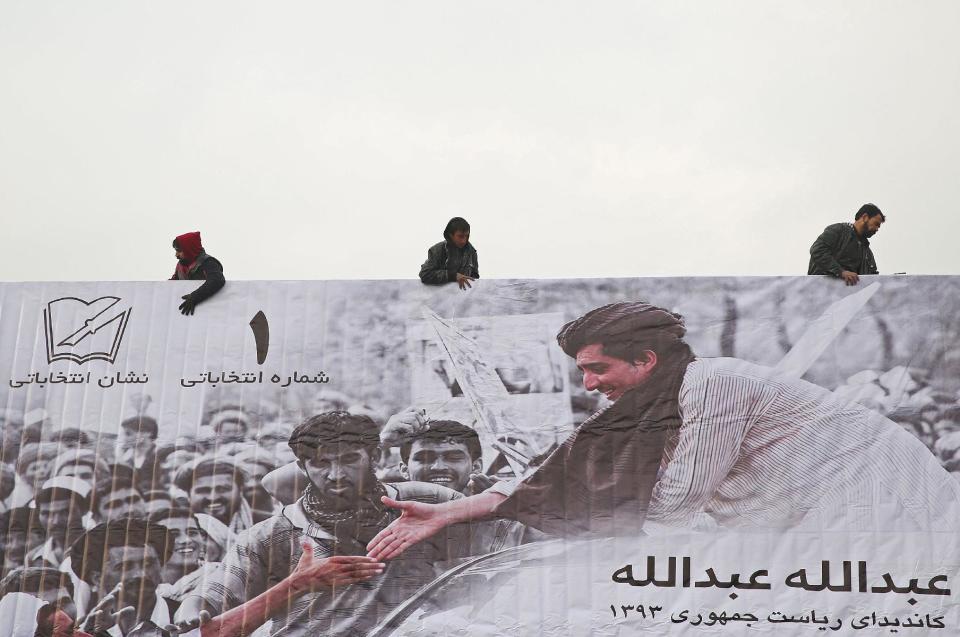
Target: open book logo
82,331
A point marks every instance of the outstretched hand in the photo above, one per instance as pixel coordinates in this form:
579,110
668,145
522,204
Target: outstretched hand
312,572
186,626
105,614
417,522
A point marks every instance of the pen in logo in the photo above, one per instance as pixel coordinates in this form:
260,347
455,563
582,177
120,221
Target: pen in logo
92,325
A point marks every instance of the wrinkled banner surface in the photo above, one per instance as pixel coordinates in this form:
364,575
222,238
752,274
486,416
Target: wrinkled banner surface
807,483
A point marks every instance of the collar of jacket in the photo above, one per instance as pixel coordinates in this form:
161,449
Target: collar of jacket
203,256
864,240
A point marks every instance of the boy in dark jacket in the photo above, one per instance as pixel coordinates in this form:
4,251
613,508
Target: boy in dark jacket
453,259
194,264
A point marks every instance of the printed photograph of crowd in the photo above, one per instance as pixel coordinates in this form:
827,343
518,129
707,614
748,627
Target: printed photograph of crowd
141,528
325,522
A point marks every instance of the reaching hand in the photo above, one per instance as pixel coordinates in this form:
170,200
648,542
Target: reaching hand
105,615
480,482
185,626
849,277
188,305
464,281
339,570
401,426
417,522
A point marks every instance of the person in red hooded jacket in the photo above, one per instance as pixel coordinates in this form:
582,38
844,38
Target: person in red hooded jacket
194,264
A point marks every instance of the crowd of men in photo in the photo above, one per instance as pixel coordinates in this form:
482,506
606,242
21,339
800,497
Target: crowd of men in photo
120,535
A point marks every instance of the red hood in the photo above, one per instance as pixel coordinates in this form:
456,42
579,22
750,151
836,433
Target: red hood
190,245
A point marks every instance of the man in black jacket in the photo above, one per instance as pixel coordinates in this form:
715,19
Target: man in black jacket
843,249
452,260
194,264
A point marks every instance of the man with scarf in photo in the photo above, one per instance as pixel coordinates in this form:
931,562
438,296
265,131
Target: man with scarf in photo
302,568
701,443
194,264
601,479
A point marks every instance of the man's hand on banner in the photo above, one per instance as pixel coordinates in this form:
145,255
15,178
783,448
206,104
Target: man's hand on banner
188,305
417,522
328,572
409,422
464,281
851,278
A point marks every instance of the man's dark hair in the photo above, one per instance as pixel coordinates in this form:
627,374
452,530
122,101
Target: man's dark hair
332,428
164,451
626,330
157,494
870,210
209,466
457,224
70,437
175,512
32,433
8,480
121,471
108,485
51,494
143,424
229,413
88,551
445,431
178,513
17,521
35,580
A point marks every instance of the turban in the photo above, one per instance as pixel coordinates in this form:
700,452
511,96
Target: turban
63,487
256,456
141,424
33,452
208,466
88,551
213,528
216,530
230,414
623,322
86,457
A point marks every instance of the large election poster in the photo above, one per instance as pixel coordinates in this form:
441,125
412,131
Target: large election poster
662,456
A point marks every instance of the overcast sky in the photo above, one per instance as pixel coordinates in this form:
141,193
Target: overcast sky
313,140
